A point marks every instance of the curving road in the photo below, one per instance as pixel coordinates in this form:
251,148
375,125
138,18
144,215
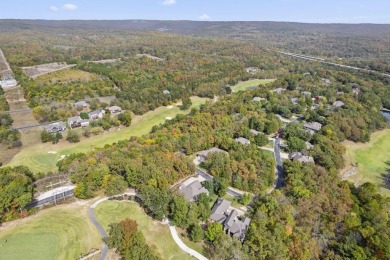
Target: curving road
172,229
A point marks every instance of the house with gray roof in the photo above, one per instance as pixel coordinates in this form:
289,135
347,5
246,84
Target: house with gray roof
258,99
166,92
114,110
306,93
55,127
192,190
242,140
97,114
308,145
220,210
236,227
298,156
202,155
279,90
81,103
338,103
294,101
254,132
314,126
356,91
74,122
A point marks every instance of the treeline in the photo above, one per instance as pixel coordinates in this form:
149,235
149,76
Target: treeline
8,136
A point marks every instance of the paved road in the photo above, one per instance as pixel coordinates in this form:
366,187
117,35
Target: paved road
231,191
310,58
32,126
279,183
103,233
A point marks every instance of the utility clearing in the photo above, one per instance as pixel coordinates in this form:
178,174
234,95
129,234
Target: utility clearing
250,84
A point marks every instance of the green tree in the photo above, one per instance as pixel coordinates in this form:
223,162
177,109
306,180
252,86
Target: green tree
245,199
125,118
46,137
186,103
213,230
196,233
179,211
72,137
114,184
221,185
295,144
84,115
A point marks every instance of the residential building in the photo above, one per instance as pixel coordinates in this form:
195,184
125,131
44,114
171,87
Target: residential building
356,91
220,210
298,156
314,126
74,122
306,93
278,90
166,92
202,155
97,114
232,224
192,190
114,110
84,122
242,140
308,145
254,132
81,103
54,128
294,100
338,103
258,99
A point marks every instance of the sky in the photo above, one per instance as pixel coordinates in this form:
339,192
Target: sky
308,11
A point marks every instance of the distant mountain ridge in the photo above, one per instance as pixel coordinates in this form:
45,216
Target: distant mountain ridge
199,27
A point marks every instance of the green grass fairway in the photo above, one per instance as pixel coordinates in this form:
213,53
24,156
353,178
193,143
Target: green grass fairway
37,158
62,232
155,233
371,159
250,83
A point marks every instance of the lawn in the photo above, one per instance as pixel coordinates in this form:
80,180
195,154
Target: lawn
37,158
373,160
61,232
155,233
250,83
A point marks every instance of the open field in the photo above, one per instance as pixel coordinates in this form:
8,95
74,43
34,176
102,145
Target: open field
373,160
38,70
37,158
155,233
64,76
61,232
250,83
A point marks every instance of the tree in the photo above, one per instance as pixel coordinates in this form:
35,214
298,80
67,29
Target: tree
261,139
295,144
56,137
196,233
186,103
125,118
46,137
213,230
84,115
114,184
221,185
72,137
179,211
245,199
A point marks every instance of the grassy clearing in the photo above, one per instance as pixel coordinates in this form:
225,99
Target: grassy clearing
250,83
155,233
373,160
61,232
64,76
37,158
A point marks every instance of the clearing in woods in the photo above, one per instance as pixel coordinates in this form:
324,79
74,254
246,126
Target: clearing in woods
61,232
156,233
37,158
373,160
250,83
66,76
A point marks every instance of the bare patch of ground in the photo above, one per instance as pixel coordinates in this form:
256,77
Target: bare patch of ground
38,70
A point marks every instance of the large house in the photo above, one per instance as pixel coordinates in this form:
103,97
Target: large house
97,114
202,155
232,224
338,103
54,128
297,156
278,90
192,190
314,126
